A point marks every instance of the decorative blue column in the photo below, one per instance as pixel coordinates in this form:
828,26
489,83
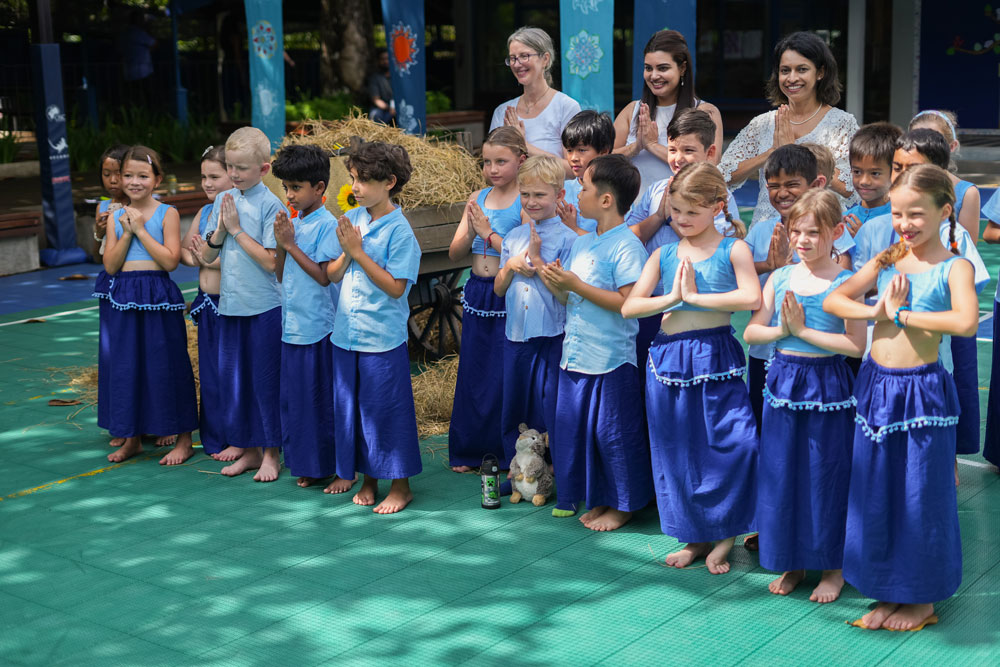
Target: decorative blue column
654,15
267,67
404,36
586,31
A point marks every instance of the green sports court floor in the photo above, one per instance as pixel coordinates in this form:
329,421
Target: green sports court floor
137,564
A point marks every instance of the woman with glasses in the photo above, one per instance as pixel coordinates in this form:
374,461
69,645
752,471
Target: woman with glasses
541,112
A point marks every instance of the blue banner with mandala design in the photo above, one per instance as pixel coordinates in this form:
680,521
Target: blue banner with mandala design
654,15
585,29
267,67
404,39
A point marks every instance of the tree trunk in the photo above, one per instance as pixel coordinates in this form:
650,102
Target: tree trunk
347,45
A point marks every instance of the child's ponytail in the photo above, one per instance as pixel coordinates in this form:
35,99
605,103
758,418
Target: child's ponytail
952,242
891,255
735,223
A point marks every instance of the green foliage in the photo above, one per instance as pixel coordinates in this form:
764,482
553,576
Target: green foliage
327,108
135,125
8,147
437,102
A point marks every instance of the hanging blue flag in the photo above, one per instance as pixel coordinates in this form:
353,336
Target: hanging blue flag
404,39
585,30
267,67
654,15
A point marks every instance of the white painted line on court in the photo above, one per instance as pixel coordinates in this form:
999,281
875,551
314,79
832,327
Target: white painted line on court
976,464
72,312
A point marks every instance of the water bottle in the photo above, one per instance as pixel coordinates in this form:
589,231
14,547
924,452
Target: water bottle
490,471
171,184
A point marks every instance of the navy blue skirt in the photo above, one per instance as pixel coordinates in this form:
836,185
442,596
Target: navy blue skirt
600,451
151,385
249,378
476,411
648,328
307,409
903,543
991,444
205,314
530,386
375,424
965,358
804,470
702,435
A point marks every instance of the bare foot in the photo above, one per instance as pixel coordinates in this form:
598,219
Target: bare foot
118,442
306,481
166,440
398,498
592,514
787,582
366,494
270,465
718,560
228,454
611,520
874,619
250,460
829,587
909,616
182,451
957,482
129,448
690,553
461,469
341,485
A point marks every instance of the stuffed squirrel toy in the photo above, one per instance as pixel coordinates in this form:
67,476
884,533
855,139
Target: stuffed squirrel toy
530,476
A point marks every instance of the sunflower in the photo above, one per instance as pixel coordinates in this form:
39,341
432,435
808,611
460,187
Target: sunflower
345,198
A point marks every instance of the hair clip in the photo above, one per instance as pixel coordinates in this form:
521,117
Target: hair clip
149,159
205,152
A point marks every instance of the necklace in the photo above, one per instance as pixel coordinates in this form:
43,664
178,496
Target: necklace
803,122
530,106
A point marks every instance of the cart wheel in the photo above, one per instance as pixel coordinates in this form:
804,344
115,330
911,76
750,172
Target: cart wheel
437,326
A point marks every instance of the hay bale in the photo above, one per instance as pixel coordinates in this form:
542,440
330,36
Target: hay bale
433,395
443,172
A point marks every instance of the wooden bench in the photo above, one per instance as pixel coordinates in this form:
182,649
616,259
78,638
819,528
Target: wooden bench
19,234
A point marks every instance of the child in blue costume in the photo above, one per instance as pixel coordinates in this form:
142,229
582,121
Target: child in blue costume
923,146
587,135
152,386
205,307
535,317
991,443
375,423
600,452
701,427
790,171
807,428
490,215
307,314
250,305
111,181
871,152
690,139
903,546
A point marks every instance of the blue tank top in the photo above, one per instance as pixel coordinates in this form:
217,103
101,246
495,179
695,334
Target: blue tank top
812,306
203,217
712,275
502,220
929,291
137,251
960,189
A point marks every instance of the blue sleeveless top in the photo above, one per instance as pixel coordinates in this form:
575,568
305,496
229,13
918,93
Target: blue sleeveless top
812,306
502,220
712,275
960,189
137,251
203,217
929,291
102,206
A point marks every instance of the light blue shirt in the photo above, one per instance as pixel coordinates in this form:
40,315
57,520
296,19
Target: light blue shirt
572,196
597,340
246,287
650,202
532,310
308,308
368,319
864,215
759,240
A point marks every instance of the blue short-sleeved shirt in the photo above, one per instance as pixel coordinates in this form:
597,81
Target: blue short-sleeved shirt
246,287
864,215
308,308
597,340
649,203
368,319
572,196
532,310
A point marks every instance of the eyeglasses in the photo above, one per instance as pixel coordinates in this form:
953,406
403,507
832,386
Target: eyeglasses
523,58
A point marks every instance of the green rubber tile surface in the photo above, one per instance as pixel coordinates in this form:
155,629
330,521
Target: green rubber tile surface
140,564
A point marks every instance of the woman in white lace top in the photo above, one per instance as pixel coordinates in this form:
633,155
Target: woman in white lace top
804,86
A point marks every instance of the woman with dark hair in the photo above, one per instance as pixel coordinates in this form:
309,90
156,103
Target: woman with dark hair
641,127
804,86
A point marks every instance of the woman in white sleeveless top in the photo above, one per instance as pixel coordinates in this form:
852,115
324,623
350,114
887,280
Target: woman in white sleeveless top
541,112
641,127
804,83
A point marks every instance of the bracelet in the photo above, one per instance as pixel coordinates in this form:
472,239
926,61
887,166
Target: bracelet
896,319
488,244
96,237
237,234
208,240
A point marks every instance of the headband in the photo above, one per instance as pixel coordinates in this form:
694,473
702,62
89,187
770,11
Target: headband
942,116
